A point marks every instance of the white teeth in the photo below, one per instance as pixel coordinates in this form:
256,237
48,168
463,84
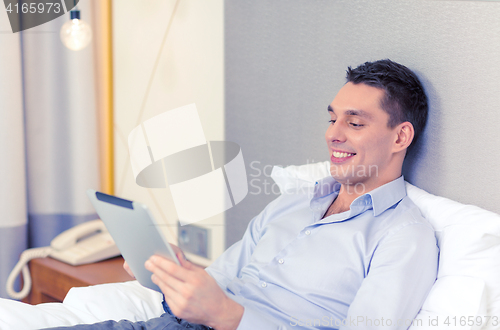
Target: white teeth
337,154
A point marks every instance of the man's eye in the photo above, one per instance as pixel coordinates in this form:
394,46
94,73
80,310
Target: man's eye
355,125
332,121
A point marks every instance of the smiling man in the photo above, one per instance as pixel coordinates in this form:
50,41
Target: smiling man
352,253
371,129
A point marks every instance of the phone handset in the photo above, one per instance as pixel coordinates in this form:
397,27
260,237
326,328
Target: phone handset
84,243
71,236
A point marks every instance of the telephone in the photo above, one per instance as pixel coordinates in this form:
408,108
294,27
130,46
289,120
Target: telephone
85,243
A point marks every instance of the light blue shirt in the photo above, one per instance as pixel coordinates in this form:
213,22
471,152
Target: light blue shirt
369,267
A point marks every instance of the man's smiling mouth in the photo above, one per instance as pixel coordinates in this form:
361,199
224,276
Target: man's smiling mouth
337,154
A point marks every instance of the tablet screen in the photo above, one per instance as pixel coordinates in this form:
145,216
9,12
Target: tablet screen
136,233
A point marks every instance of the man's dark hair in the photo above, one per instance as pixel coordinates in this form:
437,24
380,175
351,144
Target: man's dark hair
405,98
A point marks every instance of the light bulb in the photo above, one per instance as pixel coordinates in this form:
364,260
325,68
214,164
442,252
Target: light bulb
76,33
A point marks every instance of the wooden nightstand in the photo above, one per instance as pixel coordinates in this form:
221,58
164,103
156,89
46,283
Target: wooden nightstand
52,279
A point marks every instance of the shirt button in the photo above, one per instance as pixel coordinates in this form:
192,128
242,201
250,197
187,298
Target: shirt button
264,284
308,232
281,261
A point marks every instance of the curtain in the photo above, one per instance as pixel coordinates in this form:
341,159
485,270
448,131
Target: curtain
49,147
13,216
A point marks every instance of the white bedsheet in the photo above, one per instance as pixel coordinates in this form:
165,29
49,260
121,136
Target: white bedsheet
117,301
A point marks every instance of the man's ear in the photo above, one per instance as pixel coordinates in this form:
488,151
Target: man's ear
405,134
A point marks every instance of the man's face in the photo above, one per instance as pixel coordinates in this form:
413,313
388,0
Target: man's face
358,138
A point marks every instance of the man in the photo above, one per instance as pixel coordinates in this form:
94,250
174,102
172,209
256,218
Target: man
353,253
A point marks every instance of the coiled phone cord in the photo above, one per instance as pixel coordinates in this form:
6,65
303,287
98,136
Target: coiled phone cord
22,264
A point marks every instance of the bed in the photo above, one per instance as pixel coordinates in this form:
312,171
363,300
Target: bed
466,294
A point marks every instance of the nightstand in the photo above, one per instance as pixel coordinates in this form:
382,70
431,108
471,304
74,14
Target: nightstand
52,279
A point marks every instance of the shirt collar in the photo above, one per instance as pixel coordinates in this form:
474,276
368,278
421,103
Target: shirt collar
387,195
380,199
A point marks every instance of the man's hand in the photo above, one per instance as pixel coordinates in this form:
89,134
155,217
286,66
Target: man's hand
178,252
194,295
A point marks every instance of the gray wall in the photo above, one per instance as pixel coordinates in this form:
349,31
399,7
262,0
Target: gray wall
285,61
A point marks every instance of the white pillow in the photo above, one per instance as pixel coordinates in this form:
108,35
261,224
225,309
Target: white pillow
469,243
452,303
468,283
294,178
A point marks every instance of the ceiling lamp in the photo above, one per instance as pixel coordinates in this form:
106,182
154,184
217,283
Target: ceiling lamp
76,33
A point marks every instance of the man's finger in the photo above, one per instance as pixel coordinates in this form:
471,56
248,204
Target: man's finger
171,267
188,264
167,278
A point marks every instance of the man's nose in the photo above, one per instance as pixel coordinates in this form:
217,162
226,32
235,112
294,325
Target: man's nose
335,132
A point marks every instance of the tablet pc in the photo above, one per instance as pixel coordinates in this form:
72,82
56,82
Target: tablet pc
135,232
